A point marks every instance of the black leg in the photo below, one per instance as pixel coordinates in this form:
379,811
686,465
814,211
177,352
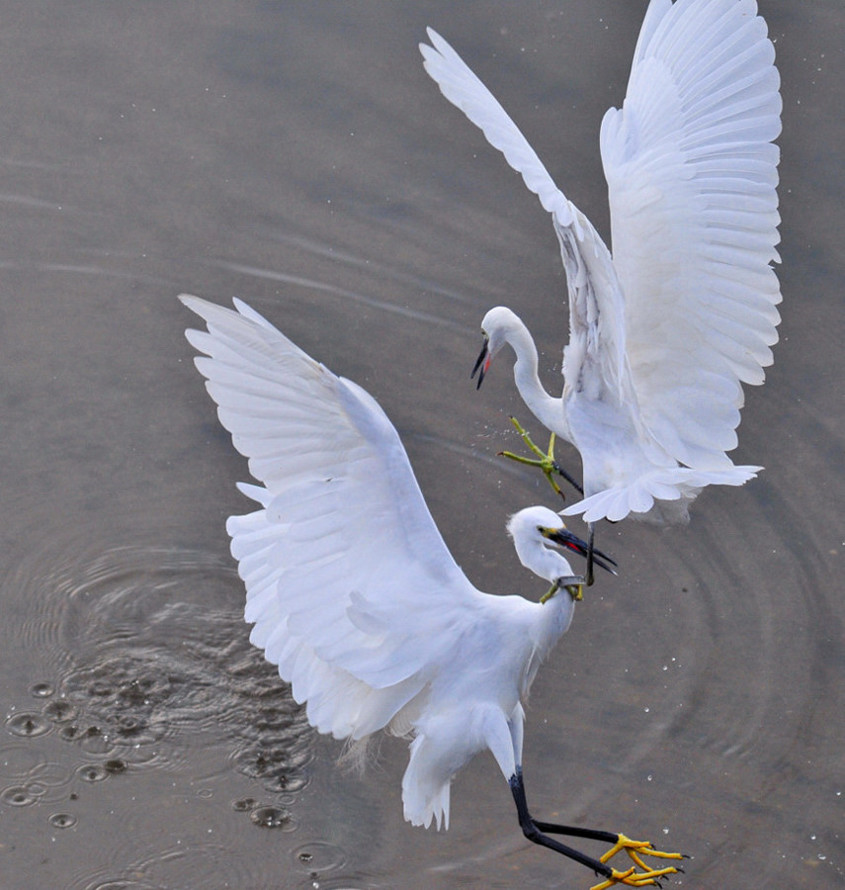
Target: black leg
588,578
561,472
536,832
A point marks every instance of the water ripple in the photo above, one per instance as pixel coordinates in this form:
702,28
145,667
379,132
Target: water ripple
149,652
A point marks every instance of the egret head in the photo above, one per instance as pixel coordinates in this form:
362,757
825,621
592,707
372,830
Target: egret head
539,535
539,526
496,326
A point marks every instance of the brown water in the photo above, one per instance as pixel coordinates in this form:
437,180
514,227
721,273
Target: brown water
298,156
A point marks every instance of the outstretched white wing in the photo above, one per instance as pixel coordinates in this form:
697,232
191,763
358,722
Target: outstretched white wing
692,180
352,590
596,313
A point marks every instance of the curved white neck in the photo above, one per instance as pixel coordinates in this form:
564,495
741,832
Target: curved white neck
548,410
545,562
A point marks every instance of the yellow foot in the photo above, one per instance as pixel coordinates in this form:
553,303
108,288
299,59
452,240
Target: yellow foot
633,878
545,460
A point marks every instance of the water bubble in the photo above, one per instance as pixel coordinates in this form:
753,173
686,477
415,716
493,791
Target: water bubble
41,690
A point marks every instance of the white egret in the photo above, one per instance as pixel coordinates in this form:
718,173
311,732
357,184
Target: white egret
663,333
354,594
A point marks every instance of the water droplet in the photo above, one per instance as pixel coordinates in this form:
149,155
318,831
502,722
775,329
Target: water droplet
92,772
17,796
59,711
95,741
41,690
62,820
115,766
243,805
271,817
29,725
320,857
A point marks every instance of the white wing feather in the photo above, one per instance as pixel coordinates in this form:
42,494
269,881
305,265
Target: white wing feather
692,182
584,254
464,90
350,586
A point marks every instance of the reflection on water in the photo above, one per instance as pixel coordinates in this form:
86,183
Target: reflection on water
298,156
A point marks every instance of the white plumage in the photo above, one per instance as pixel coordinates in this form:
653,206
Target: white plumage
664,332
350,587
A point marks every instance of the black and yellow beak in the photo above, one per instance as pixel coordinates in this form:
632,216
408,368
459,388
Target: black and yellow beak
564,538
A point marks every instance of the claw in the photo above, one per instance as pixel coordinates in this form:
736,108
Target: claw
648,877
545,459
633,878
572,584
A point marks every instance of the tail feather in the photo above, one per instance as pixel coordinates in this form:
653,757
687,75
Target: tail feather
662,496
425,791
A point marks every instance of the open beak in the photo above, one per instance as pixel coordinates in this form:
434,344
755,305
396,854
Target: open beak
482,364
564,538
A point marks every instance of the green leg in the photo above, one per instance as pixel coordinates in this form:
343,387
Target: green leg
545,460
